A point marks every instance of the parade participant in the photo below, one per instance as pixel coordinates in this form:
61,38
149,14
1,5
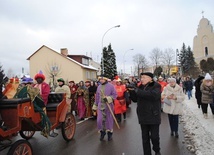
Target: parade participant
44,88
120,101
82,100
174,94
188,86
127,95
148,97
73,89
62,88
207,90
198,93
162,82
11,88
105,94
92,91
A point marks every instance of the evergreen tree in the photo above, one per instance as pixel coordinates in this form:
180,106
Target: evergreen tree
109,59
187,60
2,75
158,71
207,66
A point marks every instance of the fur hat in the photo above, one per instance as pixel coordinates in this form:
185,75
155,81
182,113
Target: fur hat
148,74
207,77
102,77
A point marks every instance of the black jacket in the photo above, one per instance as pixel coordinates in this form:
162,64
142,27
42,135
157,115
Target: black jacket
148,103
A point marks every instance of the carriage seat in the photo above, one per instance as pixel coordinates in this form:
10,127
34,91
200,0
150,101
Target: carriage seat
53,100
12,103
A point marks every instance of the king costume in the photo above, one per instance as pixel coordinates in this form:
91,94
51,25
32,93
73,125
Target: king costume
105,93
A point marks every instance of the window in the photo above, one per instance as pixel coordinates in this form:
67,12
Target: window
85,61
87,75
206,51
92,75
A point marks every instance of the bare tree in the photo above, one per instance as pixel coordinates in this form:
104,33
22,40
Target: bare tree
140,62
155,57
168,58
53,70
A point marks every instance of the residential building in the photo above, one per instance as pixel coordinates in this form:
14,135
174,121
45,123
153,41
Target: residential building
56,65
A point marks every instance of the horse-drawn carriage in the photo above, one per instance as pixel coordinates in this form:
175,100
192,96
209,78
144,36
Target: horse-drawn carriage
21,115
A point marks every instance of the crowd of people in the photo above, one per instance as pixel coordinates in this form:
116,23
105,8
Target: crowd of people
107,100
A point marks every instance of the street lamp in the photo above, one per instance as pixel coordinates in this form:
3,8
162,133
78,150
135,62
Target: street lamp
102,46
124,59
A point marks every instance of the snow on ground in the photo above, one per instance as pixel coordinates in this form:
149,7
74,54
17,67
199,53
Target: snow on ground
198,131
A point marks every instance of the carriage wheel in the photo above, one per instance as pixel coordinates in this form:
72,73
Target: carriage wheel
68,127
27,134
21,147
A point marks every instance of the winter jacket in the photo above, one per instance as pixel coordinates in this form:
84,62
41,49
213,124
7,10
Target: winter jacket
176,107
188,85
207,94
148,103
197,84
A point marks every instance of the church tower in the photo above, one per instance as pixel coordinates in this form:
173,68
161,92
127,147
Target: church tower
203,42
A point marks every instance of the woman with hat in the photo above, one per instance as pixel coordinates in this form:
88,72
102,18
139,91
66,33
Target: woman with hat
207,90
44,88
73,88
82,100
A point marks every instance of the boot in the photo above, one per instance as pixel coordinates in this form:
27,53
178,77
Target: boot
176,134
205,115
124,115
109,135
102,135
157,153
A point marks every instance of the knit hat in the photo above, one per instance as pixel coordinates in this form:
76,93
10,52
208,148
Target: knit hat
39,75
207,77
60,80
148,74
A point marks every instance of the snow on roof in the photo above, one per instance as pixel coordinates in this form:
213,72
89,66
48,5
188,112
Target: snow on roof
84,66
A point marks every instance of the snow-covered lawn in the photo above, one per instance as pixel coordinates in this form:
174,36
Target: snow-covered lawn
198,131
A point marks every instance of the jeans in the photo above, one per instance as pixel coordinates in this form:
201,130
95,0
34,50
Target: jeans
189,93
173,122
150,131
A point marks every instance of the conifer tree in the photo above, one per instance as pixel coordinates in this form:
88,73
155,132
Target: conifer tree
109,59
2,75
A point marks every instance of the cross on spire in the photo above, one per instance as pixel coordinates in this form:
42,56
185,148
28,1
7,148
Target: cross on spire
202,12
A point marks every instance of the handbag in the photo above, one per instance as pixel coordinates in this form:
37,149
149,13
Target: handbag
167,101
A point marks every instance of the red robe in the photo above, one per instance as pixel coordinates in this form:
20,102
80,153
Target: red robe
44,91
120,101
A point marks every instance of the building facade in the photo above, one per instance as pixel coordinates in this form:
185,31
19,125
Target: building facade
56,65
203,42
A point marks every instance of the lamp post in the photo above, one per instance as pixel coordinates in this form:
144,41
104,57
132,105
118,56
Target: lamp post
102,46
124,59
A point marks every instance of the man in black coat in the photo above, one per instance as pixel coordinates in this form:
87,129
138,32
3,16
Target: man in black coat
148,97
198,93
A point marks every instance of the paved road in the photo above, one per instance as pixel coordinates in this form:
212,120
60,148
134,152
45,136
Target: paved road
126,141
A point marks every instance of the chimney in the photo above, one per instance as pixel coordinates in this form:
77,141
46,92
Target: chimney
64,51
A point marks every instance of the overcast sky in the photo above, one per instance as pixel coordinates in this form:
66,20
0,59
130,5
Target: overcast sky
26,25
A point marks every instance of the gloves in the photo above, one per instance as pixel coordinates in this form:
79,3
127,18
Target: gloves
94,107
108,99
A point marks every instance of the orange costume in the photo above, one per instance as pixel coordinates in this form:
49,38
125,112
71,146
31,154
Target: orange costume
11,88
120,101
163,84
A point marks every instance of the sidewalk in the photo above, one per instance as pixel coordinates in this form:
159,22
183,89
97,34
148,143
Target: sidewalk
198,131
